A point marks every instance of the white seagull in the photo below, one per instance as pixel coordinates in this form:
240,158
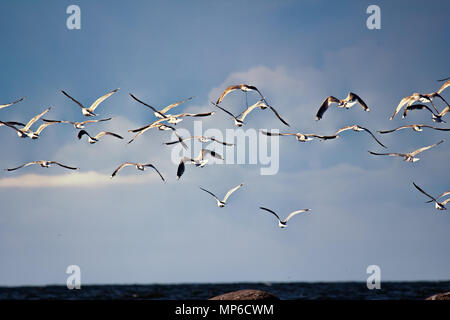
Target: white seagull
418,97
239,121
11,103
358,128
161,113
222,203
139,166
415,127
89,112
77,125
438,205
43,164
160,126
200,161
201,139
302,137
283,223
409,157
25,131
348,102
95,139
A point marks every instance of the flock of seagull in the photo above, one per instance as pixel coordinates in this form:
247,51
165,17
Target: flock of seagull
416,101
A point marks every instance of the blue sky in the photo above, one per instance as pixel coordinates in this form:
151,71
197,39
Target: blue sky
136,229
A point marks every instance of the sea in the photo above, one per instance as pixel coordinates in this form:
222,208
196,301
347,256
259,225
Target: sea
284,291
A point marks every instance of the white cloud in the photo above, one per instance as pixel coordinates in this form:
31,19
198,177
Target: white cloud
74,180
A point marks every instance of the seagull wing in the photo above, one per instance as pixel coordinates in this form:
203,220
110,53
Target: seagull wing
268,210
81,133
399,128
224,110
227,91
206,114
210,193
181,166
95,121
444,86
373,136
420,189
63,166
444,194
400,105
388,154
278,116
24,165
11,103
12,123
343,129
443,112
214,154
122,166
73,99
147,105
223,142
101,99
231,191
322,137
267,133
416,152
103,133
8,124
157,171
324,107
173,105
294,213
360,101
435,128
43,126
36,118
247,111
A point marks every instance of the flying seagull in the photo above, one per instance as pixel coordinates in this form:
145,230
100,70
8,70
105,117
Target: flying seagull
11,103
89,112
239,121
302,137
77,125
161,113
95,139
409,157
283,223
139,166
415,127
357,128
200,161
243,87
202,139
25,131
418,97
222,203
348,102
438,205
160,126
43,164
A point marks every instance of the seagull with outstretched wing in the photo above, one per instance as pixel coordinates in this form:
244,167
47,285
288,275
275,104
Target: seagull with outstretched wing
283,223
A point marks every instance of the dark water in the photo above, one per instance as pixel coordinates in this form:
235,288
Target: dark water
291,291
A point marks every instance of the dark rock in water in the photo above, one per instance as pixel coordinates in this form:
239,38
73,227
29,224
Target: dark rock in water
247,295
440,296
